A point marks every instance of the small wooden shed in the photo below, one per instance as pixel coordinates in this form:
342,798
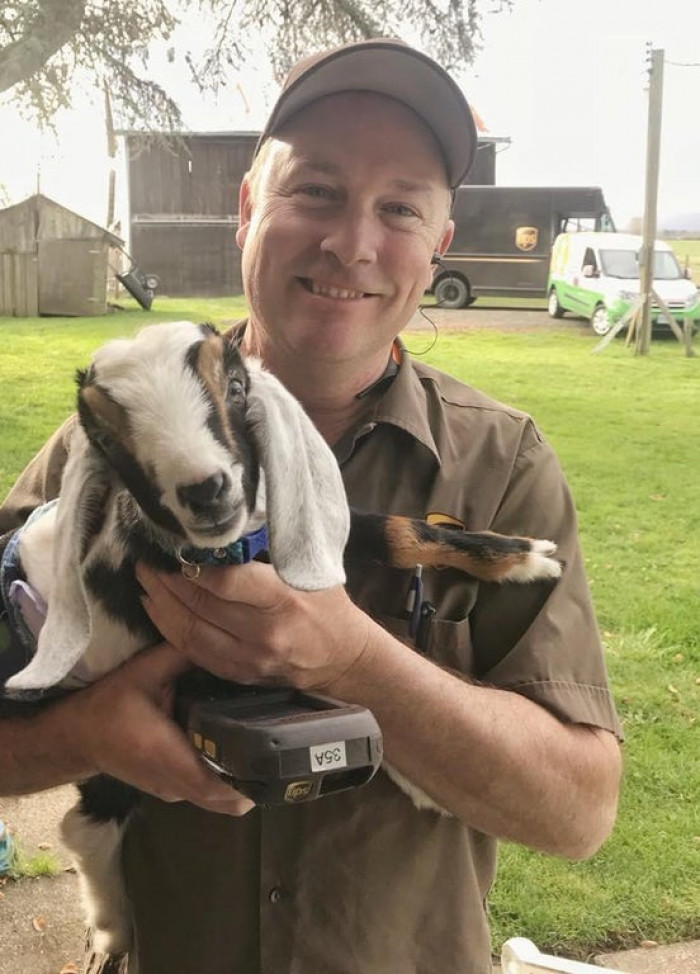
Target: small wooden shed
52,261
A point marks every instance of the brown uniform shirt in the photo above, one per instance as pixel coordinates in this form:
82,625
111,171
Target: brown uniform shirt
363,882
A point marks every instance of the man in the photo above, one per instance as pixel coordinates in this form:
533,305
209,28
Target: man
505,721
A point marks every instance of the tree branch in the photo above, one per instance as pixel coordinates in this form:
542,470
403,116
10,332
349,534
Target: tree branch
54,25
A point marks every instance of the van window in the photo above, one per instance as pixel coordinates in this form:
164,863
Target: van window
625,264
589,259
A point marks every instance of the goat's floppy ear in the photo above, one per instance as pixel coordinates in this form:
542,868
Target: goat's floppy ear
307,510
66,632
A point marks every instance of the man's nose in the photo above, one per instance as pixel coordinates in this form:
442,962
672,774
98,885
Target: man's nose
353,238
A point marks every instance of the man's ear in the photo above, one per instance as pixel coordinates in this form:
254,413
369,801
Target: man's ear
446,238
245,211
441,248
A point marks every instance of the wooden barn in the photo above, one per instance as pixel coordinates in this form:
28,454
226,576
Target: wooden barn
183,207
52,261
183,210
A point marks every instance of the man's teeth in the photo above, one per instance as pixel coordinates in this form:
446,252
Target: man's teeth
334,292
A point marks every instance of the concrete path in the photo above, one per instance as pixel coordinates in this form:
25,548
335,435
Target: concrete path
663,959
41,923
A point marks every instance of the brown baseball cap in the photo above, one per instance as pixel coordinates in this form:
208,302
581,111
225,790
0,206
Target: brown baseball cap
389,67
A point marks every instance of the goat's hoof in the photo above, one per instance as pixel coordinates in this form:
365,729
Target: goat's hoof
109,942
102,962
535,564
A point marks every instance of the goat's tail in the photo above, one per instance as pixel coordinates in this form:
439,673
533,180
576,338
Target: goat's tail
405,542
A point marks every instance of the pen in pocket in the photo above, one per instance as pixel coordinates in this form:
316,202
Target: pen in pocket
427,612
414,600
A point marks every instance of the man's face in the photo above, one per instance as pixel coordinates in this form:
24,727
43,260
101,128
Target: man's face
339,229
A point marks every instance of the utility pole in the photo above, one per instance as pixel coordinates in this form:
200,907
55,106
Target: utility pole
111,152
646,254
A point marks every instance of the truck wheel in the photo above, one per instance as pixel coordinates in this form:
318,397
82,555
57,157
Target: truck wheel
600,321
452,292
553,306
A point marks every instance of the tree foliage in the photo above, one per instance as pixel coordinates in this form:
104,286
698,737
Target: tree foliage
45,45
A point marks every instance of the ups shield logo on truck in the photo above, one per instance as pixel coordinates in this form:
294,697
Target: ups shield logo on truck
526,238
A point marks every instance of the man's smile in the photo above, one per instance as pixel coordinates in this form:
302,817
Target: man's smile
327,291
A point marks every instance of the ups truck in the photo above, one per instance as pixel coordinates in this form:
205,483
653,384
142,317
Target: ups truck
504,237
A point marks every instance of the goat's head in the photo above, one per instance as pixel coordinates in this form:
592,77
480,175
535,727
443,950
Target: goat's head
167,410
211,447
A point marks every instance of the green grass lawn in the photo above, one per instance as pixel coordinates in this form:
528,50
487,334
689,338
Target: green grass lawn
627,432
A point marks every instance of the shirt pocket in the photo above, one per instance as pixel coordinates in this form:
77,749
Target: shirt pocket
449,641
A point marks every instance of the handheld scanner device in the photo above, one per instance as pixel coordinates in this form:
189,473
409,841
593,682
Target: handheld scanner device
278,745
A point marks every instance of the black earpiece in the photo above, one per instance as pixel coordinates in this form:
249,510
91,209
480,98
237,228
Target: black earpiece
437,259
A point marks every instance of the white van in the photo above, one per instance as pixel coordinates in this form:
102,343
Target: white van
596,276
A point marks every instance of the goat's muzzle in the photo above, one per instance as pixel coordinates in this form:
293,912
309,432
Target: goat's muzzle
207,495
212,509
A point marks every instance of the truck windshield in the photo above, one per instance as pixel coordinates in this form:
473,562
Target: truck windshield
625,264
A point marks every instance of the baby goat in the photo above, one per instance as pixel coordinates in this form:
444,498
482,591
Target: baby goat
185,447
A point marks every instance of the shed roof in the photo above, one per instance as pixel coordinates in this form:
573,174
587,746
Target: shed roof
39,202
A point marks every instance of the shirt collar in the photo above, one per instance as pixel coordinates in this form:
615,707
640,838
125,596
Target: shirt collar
403,404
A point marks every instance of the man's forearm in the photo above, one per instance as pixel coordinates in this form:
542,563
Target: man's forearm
495,759
39,751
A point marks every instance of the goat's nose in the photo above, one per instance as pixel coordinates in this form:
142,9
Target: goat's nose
204,494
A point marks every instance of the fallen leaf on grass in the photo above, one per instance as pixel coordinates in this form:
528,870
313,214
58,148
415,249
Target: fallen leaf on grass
39,924
649,943
671,689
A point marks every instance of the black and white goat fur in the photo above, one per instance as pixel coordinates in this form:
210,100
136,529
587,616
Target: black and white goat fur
183,443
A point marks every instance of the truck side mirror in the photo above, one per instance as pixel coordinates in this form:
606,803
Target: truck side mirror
687,274
589,271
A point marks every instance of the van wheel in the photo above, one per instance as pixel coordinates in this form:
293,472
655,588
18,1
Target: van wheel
600,321
452,292
553,306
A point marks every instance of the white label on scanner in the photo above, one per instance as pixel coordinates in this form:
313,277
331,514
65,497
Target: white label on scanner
326,757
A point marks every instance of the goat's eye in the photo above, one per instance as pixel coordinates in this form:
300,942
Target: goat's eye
236,389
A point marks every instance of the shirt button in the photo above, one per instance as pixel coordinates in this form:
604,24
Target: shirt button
276,894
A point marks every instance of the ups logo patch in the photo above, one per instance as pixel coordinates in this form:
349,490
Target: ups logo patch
526,238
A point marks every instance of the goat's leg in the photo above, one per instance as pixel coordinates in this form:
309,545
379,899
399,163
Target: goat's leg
97,850
404,542
93,831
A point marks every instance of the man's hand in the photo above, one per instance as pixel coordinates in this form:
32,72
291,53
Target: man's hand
122,726
125,727
245,624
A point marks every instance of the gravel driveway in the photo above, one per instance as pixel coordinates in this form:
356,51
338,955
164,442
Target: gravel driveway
502,319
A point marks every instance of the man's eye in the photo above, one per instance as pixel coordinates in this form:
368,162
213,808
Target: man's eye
317,192
400,209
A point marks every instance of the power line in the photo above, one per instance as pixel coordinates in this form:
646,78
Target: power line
684,64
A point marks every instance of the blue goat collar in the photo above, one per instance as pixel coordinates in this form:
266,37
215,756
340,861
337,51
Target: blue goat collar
239,552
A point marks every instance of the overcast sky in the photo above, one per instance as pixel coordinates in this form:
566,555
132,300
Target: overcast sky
564,80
